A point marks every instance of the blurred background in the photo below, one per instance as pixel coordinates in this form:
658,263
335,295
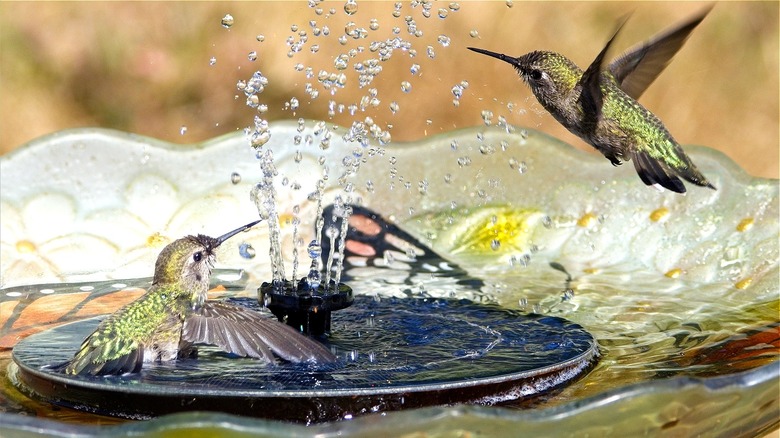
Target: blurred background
169,70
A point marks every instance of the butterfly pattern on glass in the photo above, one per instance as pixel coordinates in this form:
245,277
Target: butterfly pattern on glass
392,261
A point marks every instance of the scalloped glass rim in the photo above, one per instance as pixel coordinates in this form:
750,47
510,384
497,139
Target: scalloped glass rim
595,415
63,174
70,171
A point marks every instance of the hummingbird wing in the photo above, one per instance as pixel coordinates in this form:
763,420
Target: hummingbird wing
245,332
636,69
103,353
591,97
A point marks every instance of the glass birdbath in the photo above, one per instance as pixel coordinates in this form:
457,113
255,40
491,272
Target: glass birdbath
680,293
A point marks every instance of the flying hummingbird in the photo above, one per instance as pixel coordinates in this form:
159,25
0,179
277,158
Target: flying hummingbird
599,105
165,322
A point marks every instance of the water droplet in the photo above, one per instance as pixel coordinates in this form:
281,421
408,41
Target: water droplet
314,249
394,107
373,24
258,139
473,33
260,38
486,149
520,166
443,13
252,56
415,68
495,244
227,21
351,7
247,251
454,6
314,279
212,60
487,117
444,40
457,91
235,177
464,161
509,3
431,52
406,86
183,130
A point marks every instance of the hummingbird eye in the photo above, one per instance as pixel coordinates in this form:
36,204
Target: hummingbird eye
535,75
197,256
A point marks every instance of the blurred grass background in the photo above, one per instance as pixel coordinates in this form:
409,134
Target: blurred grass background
143,67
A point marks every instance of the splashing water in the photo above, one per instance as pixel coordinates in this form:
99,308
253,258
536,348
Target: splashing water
342,242
264,197
358,63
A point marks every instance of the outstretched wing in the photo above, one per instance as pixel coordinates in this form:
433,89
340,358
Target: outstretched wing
636,69
591,97
105,353
245,332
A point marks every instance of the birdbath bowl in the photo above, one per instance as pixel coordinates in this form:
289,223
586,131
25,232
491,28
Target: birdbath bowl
521,247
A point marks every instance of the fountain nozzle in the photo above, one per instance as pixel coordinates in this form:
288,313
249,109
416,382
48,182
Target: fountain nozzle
305,308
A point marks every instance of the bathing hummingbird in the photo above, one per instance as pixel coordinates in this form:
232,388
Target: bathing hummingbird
165,322
600,105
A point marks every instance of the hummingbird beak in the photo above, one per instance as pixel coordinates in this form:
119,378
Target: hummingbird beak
227,236
500,56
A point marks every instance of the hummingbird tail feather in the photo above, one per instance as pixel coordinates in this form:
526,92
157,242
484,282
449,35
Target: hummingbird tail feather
652,172
128,364
90,364
694,176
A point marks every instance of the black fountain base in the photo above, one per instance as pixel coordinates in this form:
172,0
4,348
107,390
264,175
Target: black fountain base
303,308
392,354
